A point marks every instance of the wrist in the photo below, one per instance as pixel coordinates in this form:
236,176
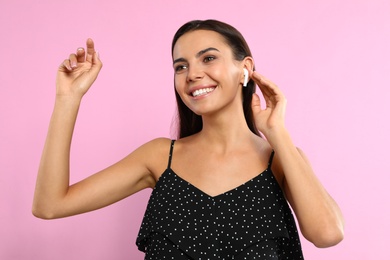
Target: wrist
66,105
275,132
67,100
278,136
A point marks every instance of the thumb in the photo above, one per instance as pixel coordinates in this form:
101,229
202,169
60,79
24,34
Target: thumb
256,104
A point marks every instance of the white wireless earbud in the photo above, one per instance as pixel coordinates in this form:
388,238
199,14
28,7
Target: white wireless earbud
246,77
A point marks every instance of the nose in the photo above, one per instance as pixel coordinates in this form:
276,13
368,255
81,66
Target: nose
194,73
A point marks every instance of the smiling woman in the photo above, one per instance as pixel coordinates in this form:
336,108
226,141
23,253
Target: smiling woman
232,203
210,68
191,123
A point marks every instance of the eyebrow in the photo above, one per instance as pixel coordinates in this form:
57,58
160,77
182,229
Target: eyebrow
200,53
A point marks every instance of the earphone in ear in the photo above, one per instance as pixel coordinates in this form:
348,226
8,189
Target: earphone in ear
246,77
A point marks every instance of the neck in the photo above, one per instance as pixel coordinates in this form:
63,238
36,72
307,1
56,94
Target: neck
225,131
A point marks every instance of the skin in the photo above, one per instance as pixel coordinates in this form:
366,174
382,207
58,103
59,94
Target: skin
201,59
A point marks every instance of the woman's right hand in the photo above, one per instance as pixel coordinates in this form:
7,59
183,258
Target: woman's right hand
77,73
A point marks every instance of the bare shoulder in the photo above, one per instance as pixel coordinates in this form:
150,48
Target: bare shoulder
155,153
157,144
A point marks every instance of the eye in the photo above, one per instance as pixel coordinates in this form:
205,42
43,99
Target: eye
179,68
208,58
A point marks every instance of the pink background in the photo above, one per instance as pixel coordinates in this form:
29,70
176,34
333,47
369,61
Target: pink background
331,58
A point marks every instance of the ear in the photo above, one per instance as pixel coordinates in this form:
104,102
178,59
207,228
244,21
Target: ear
249,64
248,67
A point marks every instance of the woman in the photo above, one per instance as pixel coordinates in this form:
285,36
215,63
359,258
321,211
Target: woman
220,190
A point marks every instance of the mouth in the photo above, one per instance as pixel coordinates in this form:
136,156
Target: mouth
202,91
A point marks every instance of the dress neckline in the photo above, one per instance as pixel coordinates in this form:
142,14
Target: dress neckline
238,187
246,183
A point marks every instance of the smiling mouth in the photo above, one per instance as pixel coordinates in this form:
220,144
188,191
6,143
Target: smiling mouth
202,91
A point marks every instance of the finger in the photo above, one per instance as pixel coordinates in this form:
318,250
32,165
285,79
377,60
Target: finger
80,55
96,62
270,87
65,65
256,103
267,94
259,80
270,90
73,60
90,50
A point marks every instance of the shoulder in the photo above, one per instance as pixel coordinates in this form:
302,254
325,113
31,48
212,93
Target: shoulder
158,143
155,153
154,149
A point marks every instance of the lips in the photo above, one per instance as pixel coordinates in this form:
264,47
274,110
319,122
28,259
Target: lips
202,91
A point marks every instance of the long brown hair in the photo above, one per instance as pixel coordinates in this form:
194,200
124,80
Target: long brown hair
190,123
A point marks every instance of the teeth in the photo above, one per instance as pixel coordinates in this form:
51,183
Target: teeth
202,91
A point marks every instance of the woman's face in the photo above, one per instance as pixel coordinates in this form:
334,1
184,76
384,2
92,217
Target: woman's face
207,77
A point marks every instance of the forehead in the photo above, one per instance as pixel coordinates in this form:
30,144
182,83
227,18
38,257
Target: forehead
193,42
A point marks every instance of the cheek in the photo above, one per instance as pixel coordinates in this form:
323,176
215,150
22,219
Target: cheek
180,82
235,76
179,85
229,74
178,79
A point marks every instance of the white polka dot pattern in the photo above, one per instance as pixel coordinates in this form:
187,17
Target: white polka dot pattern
252,221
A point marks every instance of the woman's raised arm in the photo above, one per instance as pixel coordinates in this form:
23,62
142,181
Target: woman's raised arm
319,216
53,196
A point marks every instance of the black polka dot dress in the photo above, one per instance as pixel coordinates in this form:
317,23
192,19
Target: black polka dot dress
252,221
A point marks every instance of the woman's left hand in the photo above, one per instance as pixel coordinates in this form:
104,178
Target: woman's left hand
270,118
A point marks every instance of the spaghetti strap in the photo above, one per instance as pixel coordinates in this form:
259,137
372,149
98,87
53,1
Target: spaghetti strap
170,154
270,159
